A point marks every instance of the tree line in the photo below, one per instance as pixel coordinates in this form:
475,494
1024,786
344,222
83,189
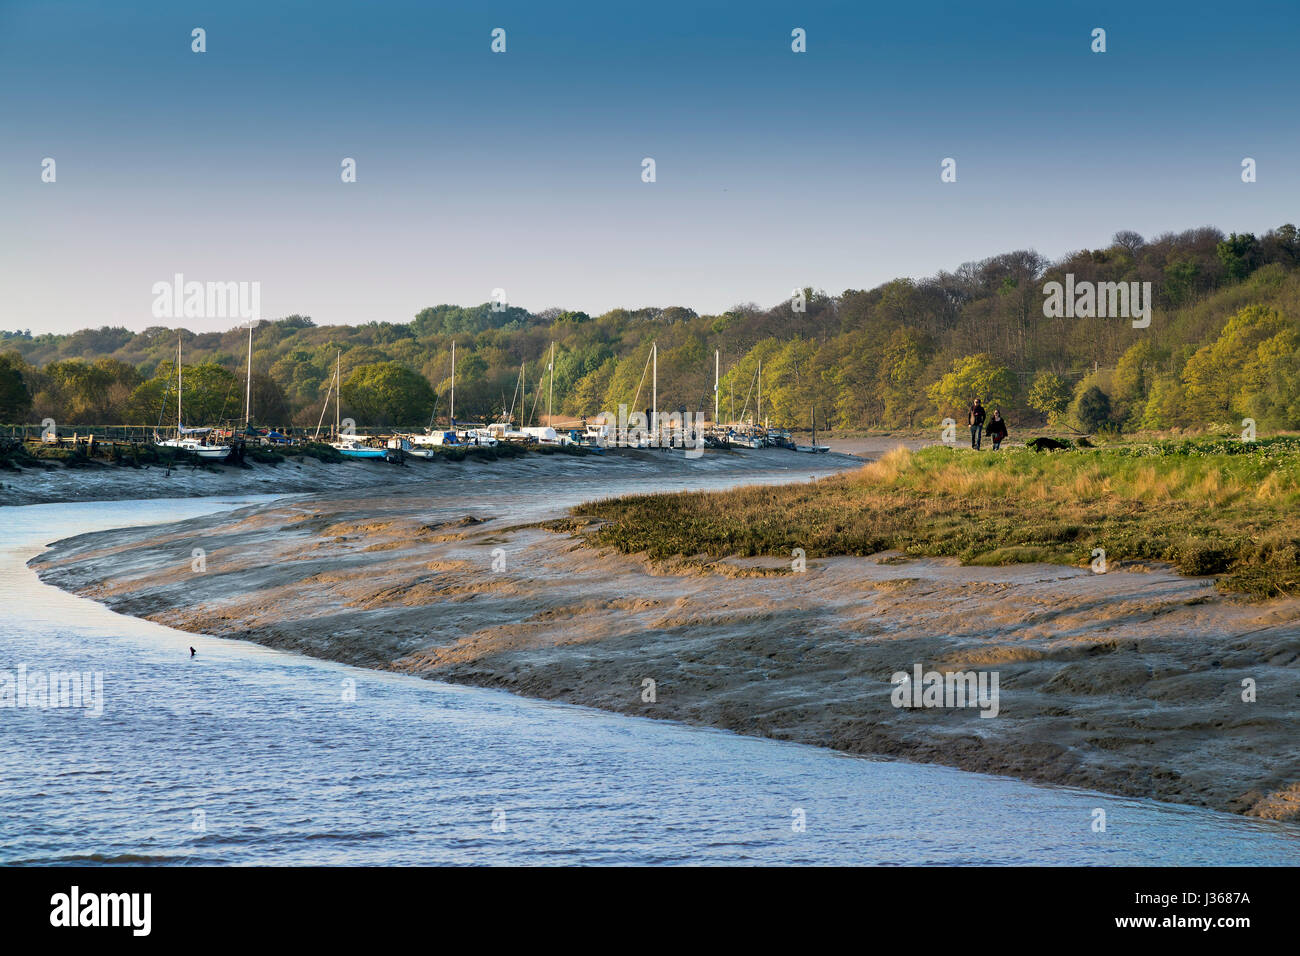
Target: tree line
1224,344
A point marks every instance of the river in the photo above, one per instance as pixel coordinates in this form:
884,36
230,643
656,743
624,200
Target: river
246,755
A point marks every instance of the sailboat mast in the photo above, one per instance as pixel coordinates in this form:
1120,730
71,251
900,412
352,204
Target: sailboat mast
550,388
453,383
178,386
654,400
248,385
338,390
716,353
325,407
760,391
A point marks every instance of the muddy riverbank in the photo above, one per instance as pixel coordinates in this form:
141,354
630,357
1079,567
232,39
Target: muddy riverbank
1129,682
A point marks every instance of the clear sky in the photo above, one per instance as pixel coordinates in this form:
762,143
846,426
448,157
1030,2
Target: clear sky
522,170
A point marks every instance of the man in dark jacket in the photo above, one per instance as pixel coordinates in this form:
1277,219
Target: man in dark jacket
975,419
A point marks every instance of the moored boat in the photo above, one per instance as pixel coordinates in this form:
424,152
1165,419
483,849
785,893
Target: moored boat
197,443
476,435
426,445
780,438
196,446
352,448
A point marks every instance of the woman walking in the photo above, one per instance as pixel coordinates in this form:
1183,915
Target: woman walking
997,430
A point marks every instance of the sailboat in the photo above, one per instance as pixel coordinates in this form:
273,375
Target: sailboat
193,445
546,434
422,446
751,435
814,448
503,429
349,447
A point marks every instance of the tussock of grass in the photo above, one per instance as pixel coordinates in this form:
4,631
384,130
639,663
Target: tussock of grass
1209,507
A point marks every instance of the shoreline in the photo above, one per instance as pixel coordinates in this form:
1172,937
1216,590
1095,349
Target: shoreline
57,484
1125,683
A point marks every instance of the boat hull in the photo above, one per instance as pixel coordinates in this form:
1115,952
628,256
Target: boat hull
205,452
363,452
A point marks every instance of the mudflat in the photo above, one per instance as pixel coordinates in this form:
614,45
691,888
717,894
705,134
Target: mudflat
1129,682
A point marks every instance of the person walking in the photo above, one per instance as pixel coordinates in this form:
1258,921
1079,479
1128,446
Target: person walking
997,429
975,419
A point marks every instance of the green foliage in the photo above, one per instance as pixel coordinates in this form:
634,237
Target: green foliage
211,393
886,357
386,393
976,376
1225,377
1239,255
1050,395
15,397
1092,409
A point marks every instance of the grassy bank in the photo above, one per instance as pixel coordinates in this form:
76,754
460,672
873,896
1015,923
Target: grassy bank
1211,506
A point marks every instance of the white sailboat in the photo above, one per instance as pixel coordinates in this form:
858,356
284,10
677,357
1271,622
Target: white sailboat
193,445
422,446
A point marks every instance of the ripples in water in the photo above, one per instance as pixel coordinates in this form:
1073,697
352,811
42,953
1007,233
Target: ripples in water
246,755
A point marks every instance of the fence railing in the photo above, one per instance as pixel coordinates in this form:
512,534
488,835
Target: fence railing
106,432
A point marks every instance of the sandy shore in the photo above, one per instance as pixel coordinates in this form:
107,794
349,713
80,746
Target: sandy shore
1128,682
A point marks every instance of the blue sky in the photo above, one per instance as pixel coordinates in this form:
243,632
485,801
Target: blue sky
522,170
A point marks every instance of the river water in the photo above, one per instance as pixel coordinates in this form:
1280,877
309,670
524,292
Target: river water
246,755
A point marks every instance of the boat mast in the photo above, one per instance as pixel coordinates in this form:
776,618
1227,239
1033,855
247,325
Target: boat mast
654,393
716,353
550,387
338,390
248,386
760,391
325,407
178,385
453,383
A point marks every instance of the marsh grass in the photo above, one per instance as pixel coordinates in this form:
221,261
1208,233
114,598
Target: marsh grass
1206,508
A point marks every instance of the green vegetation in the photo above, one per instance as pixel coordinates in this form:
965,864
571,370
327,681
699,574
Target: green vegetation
1217,506
388,394
1223,345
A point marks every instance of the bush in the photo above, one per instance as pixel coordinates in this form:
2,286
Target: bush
1201,556
1093,409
